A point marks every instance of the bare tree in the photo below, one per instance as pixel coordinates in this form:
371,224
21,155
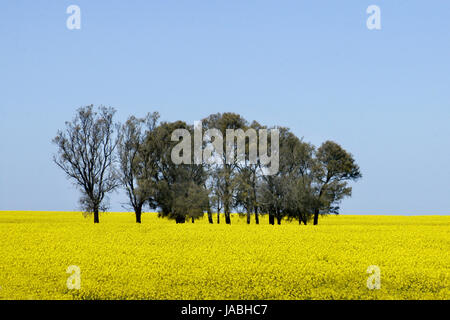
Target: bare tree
86,154
135,175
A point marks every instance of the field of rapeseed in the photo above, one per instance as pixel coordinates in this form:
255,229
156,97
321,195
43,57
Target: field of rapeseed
159,259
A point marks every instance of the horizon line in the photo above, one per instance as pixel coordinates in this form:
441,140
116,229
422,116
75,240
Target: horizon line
340,214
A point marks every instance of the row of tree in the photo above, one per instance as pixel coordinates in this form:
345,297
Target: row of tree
99,156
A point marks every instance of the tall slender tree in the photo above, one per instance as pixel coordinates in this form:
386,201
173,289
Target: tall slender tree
248,175
228,167
216,186
274,188
135,169
299,195
86,153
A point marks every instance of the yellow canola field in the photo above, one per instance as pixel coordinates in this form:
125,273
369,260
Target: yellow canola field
159,259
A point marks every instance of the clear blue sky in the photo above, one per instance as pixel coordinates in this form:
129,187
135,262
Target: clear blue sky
310,65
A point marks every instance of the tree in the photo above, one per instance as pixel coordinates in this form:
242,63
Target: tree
299,187
228,167
248,175
135,169
243,197
333,169
86,155
190,201
180,191
216,186
272,192
274,188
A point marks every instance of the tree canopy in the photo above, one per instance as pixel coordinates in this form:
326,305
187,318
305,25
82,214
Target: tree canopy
223,163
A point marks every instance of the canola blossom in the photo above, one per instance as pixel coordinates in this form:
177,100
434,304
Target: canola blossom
119,259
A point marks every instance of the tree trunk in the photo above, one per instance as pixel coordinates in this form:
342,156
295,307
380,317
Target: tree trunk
278,216
255,206
138,212
96,216
227,218
316,217
218,216
302,219
180,219
271,219
227,211
248,217
210,218
193,220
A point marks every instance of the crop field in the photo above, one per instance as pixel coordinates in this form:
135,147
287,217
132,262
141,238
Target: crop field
159,259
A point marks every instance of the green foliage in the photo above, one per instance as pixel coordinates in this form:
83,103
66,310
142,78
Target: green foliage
309,182
333,169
